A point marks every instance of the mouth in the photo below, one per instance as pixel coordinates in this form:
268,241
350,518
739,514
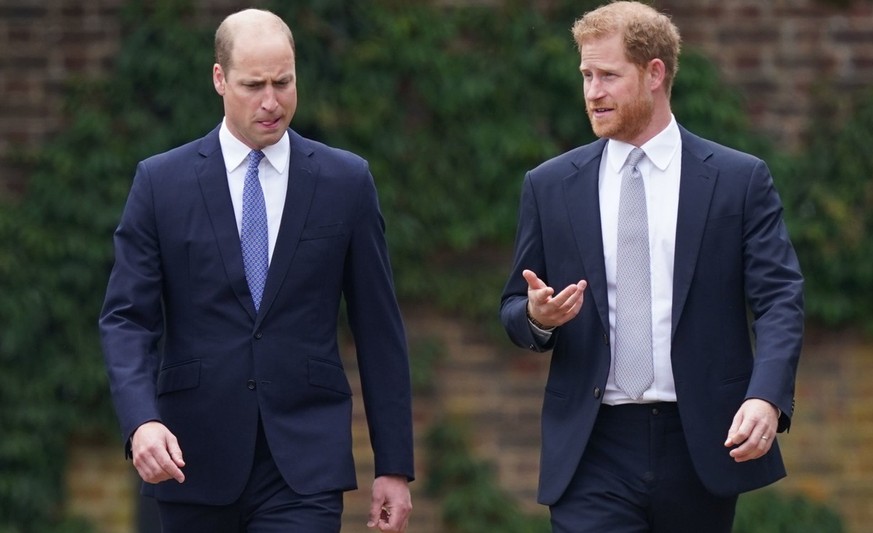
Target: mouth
599,111
270,124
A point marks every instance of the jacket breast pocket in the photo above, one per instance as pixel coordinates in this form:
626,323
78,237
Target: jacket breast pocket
179,377
323,247
323,232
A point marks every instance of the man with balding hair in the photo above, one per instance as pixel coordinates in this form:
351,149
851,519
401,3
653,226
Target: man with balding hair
219,326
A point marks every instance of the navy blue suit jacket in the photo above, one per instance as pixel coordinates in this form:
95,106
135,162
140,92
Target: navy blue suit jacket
184,345
734,264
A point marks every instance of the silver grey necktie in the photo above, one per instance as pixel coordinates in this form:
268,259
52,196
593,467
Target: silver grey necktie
634,371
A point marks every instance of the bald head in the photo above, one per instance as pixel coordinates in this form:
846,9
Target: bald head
246,24
256,75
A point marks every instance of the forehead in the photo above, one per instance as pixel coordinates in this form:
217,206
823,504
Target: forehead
253,50
603,52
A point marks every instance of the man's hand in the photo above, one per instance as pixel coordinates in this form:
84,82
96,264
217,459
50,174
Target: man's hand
391,504
548,310
753,430
156,453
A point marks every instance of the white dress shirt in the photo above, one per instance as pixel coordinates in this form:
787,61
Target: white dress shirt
272,172
661,169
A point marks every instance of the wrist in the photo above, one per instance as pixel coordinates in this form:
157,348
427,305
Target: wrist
536,323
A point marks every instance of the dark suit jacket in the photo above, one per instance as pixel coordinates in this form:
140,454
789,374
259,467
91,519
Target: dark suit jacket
184,345
733,262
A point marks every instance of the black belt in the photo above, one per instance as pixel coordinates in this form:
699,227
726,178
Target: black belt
639,410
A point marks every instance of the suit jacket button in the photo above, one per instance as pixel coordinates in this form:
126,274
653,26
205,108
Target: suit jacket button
597,392
251,384
606,339
258,335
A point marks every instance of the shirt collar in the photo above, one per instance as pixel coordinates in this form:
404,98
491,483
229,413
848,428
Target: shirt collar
235,152
660,149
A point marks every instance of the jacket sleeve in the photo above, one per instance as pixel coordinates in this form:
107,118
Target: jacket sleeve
528,255
131,321
380,339
774,290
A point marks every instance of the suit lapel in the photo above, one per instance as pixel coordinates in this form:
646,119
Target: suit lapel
302,172
582,194
696,187
212,175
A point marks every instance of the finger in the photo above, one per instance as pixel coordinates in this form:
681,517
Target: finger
566,297
168,465
540,297
739,431
577,304
377,512
571,292
533,281
570,305
149,469
396,519
392,527
175,451
385,520
145,471
157,463
756,446
568,309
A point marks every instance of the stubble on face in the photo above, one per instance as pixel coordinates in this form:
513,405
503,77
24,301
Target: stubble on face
629,119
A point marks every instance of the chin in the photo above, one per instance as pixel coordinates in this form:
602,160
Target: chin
602,131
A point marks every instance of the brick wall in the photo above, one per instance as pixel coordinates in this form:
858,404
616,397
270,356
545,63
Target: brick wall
100,484
46,43
42,45
777,52
829,451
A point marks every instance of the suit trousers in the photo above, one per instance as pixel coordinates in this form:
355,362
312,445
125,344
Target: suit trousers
636,476
267,505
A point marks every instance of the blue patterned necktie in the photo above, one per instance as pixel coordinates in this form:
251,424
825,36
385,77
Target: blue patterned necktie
634,369
253,234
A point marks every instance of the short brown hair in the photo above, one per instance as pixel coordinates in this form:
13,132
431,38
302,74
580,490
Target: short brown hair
647,34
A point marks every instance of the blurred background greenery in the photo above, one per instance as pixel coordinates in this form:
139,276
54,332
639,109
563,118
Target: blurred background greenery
451,105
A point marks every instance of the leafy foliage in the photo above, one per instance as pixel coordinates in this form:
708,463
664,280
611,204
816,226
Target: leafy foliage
769,511
424,354
449,114
831,198
57,252
471,500
450,104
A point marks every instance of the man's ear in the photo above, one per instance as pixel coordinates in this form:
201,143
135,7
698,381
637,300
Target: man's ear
218,79
656,71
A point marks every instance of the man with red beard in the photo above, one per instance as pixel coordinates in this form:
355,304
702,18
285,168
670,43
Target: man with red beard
642,262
